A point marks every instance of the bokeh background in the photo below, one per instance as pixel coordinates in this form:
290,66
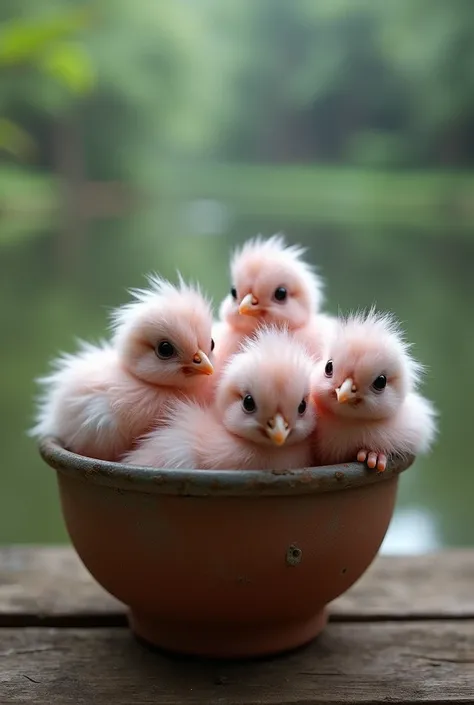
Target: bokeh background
158,134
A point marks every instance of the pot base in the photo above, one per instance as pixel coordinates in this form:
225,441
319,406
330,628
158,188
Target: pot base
231,642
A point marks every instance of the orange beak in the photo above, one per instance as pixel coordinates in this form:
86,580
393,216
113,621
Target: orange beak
249,306
201,364
277,429
346,391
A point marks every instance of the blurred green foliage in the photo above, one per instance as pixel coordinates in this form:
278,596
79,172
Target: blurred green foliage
39,53
313,76
378,84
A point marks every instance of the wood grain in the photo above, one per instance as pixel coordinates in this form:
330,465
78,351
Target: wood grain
50,586
357,663
431,586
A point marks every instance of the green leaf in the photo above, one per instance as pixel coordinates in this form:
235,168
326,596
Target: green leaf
71,66
23,40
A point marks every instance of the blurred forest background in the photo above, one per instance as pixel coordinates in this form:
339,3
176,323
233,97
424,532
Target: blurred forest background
157,134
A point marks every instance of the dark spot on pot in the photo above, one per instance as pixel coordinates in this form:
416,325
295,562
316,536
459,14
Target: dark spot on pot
241,579
339,475
343,571
294,555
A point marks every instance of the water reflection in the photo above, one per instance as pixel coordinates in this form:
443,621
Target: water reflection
412,531
206,216
50,295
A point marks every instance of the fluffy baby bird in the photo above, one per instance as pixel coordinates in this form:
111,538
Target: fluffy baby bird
100,400
262,416
365,393
271,284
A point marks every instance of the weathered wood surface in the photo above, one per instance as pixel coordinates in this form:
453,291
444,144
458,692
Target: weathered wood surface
397,662
50,586
403,634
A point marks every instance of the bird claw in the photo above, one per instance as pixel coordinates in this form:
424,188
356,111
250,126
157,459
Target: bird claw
374,460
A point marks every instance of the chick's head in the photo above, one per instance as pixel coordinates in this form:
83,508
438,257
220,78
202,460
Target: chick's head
164,335
271,284
367,370
264,392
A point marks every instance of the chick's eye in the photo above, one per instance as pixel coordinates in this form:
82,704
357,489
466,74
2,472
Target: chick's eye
280,293
248,403
380,383
213,345
233,292
328,370
302,408
165,350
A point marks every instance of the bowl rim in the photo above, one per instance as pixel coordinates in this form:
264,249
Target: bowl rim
205,483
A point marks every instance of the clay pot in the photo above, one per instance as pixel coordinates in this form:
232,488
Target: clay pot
224,563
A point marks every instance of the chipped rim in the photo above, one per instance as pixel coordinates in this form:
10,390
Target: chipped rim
202,483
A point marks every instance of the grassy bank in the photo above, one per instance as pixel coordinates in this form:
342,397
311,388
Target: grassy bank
305,194
297,194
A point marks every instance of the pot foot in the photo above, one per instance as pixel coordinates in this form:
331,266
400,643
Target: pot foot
233,641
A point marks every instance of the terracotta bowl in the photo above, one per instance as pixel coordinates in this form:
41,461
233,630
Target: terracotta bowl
225,564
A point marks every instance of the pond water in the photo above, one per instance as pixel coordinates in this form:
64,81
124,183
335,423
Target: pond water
56,286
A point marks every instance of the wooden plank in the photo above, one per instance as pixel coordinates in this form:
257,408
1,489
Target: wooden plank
399,662
431,586
50,586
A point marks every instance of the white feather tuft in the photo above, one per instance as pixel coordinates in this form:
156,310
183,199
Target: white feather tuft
276,248
271,342
382,325
159,292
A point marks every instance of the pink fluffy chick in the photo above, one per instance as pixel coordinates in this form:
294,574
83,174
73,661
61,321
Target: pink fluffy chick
366,394
101,399
262,416
271,284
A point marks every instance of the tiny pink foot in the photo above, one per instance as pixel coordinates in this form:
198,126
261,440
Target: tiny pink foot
381,462
374,460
